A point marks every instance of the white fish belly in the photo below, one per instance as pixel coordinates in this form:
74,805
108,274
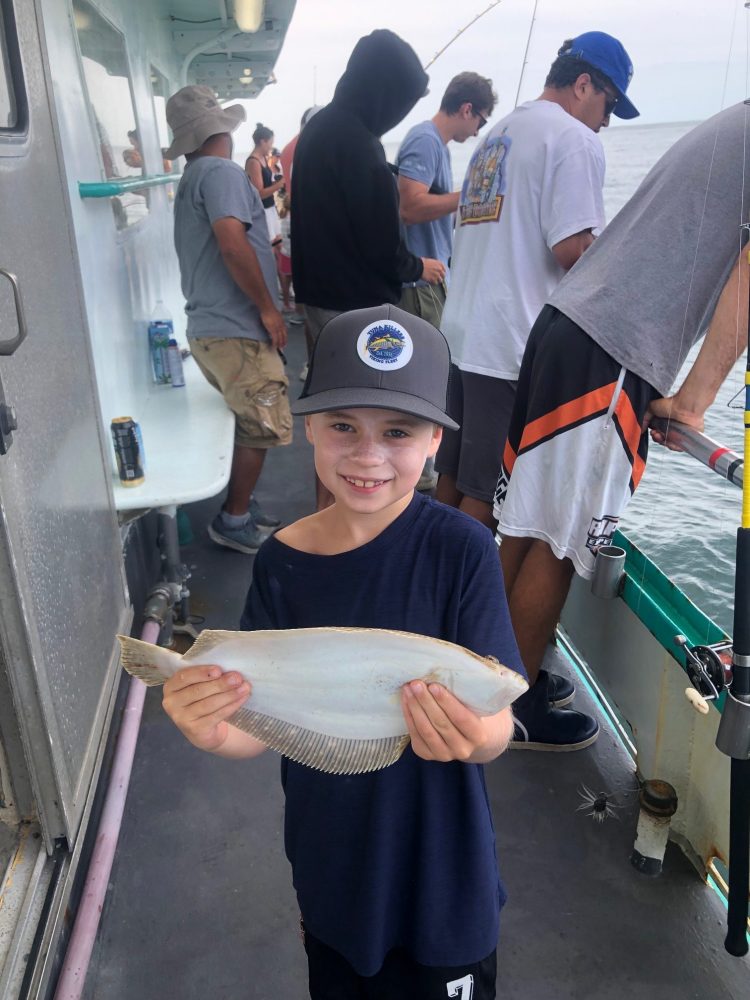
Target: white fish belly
346,682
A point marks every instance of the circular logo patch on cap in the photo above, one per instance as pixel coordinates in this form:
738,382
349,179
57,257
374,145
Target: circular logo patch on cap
385,345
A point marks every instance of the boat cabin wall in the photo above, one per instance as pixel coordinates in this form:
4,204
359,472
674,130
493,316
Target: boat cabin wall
105,59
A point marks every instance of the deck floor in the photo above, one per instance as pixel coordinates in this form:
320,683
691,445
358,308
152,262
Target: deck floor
200,903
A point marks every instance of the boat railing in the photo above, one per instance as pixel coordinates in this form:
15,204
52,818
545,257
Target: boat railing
119,185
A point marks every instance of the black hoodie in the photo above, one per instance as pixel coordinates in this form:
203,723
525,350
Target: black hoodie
348,250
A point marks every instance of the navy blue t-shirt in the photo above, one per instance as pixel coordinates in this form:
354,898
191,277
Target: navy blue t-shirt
405,856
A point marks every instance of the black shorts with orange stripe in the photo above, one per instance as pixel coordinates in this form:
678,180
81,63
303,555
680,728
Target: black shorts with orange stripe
576,450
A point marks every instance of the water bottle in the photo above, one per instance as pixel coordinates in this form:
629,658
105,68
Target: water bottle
160,332
175,364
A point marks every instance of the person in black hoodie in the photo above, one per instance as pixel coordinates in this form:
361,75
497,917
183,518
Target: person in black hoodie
348,250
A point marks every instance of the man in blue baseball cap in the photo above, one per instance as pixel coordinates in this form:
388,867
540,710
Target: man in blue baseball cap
530,205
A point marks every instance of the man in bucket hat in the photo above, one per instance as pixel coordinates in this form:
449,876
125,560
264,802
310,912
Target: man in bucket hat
229,282
529,207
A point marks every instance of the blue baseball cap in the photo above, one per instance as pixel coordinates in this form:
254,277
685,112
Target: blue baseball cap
607,55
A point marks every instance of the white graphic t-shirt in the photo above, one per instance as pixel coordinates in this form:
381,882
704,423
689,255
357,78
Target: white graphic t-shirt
536,180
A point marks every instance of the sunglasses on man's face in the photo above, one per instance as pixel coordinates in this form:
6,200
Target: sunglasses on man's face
610,103
480,116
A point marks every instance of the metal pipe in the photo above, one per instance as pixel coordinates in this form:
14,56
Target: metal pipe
724,462
218,42
78,954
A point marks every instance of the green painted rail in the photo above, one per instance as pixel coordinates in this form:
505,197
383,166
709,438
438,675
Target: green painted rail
114,186
663,608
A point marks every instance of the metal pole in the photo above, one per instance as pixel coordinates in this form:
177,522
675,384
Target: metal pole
733,737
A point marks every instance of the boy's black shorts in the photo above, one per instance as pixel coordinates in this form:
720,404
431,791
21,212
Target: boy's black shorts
401,978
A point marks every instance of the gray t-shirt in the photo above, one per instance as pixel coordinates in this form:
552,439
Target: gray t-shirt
215,188
647,288
424,157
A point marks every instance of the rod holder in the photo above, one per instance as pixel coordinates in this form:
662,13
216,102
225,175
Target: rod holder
658,801
609,572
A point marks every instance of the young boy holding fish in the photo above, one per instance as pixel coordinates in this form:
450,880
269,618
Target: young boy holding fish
395,869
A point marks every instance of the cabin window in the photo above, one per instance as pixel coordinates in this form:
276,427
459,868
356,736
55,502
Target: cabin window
160,93
12,97
106,71
8,116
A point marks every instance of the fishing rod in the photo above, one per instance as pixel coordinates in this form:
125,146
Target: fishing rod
721,460
526,52
733,737
495,3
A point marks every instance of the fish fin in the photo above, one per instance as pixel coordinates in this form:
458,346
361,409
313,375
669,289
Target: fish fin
137,657
206,641
334,755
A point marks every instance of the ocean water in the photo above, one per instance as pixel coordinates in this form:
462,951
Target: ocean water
683,516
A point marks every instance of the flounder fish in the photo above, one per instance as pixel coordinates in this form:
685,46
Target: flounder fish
330,697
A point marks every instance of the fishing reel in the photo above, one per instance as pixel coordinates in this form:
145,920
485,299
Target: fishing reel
709,669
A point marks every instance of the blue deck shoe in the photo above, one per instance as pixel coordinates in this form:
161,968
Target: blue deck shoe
247,538
261,517
560,690
539,726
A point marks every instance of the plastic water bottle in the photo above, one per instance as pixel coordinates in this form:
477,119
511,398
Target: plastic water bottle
160,332
175,364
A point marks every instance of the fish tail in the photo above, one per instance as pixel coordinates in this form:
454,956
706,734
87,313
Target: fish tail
150,664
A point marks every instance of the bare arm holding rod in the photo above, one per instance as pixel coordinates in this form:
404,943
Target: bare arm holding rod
725,342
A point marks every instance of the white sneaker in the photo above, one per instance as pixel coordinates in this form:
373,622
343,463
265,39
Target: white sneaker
303,373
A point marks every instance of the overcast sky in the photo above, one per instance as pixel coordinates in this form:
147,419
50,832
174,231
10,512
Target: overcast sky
682,51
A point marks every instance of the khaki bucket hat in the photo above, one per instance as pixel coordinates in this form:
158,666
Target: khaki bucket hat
194,115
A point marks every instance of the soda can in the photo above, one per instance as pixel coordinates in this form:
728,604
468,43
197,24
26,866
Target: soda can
128,442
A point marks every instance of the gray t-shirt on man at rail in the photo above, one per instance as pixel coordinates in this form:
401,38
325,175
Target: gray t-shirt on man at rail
647,288
215,188
424,157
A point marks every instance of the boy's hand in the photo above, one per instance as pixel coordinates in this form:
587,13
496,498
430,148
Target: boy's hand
200,699
443,728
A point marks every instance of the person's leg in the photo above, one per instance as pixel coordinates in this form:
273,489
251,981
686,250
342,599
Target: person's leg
488,404
480,510
402,978
286,284
330,976
513,551
447,492
449,452
536,599
250,376
247,464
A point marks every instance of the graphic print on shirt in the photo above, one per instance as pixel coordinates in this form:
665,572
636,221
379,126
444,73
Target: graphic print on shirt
484,187
385,345
461,988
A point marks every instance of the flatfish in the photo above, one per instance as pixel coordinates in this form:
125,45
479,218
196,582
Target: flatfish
330,697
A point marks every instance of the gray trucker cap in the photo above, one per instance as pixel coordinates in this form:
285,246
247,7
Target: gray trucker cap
379,357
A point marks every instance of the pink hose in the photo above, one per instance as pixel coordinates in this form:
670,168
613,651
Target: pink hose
73,975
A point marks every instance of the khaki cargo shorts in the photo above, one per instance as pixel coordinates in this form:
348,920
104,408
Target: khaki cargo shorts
250,376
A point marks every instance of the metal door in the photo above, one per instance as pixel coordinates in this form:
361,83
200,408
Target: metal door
62,586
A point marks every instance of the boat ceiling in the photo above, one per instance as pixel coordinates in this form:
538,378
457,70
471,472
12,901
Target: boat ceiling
233,63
